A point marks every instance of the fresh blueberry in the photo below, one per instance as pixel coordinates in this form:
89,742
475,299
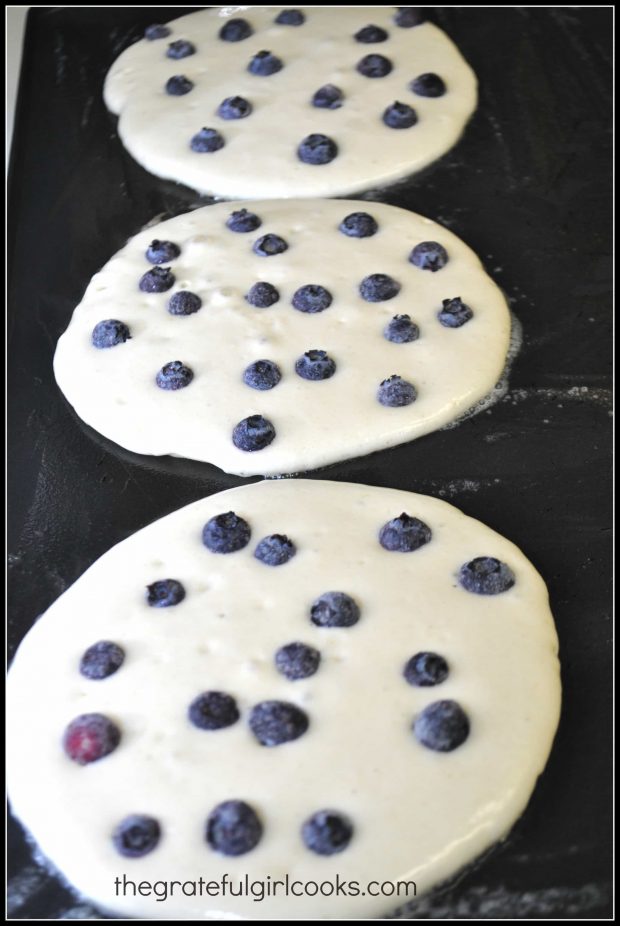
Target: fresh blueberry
297,660
90,737
315,365
454,313
262,374
178,85
399,116
262,295
327,832
428,85
180,49
206,141
157,280
374,66
317,149
486,575
312,298
165,593
253,433
429,255
226,533
395,392
234,107
404,534
233,828
368,35
156,31
358,225
174,375
162,252
213,710
264,64
408,16
334,609
269,245
442,726
401,330
290,18
136,836
379,287
101,660
184,303
426,669
235,30
277,722
275,550
109,333
328,97
243,221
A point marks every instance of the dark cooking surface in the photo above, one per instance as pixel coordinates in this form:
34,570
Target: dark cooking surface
528,188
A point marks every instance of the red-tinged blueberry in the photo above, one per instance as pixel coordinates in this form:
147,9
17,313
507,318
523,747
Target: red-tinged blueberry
165,593
184,303
334,609
178,85
101,660
264,64
109,333
162,252
233,828
156,31
404,534
358,225
327,832
234,107
430,85
374,66
206,141
429,255
312,298
136,835
242,220
276,722
275,550
399,116
226,533
395,392
297,660
213,710
408,16
426,669
401,330
486,575
157,280
262,295
368,35
290,18
317,149
90,737
454,313
315,365
262,375
174,375
235,30
180,49
379,287
442,726
269,246
328,97
253,433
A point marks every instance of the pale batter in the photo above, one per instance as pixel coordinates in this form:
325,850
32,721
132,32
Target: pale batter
409,810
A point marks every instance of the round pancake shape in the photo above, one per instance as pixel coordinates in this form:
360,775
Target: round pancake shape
375,330
387,108
355,711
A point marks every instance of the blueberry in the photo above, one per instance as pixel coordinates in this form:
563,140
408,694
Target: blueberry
315,365
178,85
136,836
253,433
262,374
269,245
486,575
454,313
426,669
370,34
358,225
374,66
234,107
226,533
428,85
408,16
429,255
206,141
184,303
379,287
264,64
328,97
317,149
334,609
399,116
243,221
157,280
156,31
290,18
275,550
109,333
312,298
213,710
442,726
395,392
165,593
90,737
101,660
262,295
233,828
235,30
401,330
327,832
162,252
297,660
404,534
277,722
180,49
174,375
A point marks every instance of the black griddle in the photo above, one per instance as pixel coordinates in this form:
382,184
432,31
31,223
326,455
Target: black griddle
528,188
